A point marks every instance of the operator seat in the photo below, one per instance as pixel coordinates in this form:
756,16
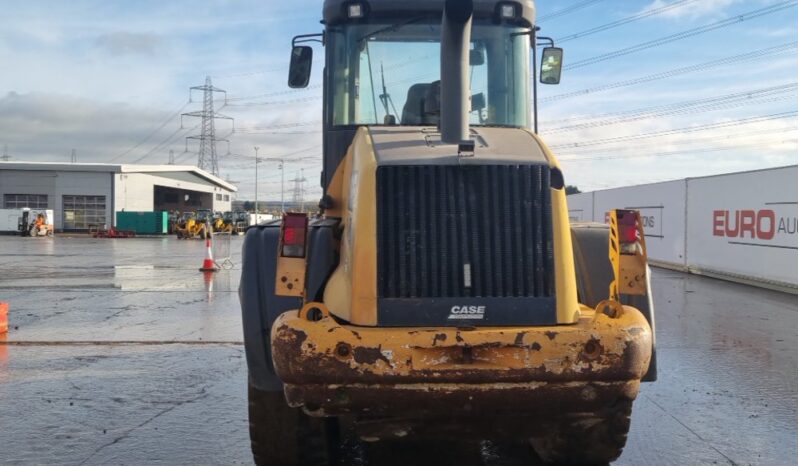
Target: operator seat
421,107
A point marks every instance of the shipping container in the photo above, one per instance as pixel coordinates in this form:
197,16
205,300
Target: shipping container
580,207
739,226
143,223
745,225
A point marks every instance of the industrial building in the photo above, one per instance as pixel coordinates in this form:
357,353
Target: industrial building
89,194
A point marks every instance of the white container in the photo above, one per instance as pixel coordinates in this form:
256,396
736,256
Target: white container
745,225
9,220
255,219
580,207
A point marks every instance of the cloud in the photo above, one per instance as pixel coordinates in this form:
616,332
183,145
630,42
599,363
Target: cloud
692,10
129,43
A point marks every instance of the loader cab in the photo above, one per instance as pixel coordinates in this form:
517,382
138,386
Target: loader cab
383,61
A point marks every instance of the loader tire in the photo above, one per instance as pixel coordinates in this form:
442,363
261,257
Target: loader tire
284,436
586,438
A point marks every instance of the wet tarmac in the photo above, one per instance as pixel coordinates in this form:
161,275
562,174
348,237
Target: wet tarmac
120,352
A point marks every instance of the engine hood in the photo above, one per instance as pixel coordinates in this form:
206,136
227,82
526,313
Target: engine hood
417,145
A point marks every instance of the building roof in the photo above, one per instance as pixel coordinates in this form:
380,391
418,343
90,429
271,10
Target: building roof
116,168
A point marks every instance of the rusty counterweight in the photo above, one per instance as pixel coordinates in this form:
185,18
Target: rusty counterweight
336,369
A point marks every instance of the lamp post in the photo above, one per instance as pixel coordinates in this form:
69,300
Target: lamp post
256,181
282,185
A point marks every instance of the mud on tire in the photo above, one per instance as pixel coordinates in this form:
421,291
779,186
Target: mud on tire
284,436
587,438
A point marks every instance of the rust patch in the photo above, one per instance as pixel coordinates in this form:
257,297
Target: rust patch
458,338
357,335
519,338
536,346
370,355
550,334
438,337
343,350
592,350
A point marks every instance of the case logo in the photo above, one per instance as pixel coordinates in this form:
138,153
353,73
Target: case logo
467,312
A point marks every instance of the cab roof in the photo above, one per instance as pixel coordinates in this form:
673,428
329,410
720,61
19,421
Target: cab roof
335,11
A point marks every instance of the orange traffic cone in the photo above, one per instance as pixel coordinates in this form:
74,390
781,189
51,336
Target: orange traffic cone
208,265
3,318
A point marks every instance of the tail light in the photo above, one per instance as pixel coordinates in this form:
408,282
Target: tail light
294,234
627,226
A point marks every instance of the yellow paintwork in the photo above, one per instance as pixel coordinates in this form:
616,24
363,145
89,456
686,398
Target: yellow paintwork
352,290
289,279
629,266
564,269
597,342
351,293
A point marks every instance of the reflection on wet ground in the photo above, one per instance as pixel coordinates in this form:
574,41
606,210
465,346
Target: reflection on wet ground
121,352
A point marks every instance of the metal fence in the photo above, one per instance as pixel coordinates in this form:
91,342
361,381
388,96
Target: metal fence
221,249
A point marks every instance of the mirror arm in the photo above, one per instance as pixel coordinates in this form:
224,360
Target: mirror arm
546,39
304,38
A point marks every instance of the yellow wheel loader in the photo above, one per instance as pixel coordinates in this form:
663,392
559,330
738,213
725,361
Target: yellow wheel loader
235,222
442,291
191,227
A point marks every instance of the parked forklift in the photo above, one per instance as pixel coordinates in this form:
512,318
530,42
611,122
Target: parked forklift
36,223
442,291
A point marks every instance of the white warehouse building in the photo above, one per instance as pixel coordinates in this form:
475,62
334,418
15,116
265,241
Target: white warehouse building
83,195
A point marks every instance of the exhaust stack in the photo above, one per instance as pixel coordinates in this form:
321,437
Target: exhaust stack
455,85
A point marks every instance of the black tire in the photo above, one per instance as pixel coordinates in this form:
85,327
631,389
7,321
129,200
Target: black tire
586,438
285,436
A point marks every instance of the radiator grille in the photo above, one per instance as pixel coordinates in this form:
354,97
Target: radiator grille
439,227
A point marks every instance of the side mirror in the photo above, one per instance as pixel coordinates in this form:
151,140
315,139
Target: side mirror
299,71
478,102
476,57
551,65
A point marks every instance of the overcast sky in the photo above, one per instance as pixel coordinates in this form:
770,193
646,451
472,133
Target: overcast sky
109,79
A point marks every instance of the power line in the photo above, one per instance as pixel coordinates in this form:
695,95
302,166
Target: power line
147,138
281,126
682,142
789,47
688,129
169,140
684,34
567,10
278,102
674,153
756,96
623,21
272,94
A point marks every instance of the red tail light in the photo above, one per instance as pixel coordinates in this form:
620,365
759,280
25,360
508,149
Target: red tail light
295,228
627,227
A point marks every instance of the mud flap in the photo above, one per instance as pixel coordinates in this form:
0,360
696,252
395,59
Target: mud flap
259,305
594,275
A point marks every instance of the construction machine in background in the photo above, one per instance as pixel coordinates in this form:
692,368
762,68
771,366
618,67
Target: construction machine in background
191,226
217,222
235,222
441,292
35,222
